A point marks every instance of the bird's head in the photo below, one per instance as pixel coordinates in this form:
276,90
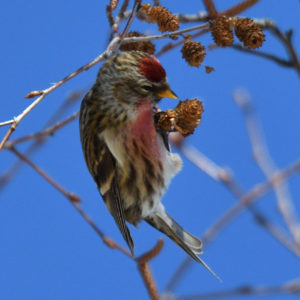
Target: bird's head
135,76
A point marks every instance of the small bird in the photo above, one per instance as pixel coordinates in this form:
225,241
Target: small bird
127,155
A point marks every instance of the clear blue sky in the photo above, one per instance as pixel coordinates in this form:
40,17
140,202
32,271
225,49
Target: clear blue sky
47,250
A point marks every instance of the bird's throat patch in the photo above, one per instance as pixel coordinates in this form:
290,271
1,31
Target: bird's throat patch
143,130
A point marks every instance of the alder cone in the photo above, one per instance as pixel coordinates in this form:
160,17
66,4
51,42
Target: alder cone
193,53
221,30
188,116
159,15
249,33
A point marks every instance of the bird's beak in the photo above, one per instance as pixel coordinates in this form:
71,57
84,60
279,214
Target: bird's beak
167,93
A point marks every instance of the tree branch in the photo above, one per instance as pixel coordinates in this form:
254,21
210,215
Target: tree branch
292,287
74,200
145,271
266,164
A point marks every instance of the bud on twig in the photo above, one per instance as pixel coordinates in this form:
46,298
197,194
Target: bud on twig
113,4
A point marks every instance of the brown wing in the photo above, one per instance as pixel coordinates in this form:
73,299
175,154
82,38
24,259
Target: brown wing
102,166
107,180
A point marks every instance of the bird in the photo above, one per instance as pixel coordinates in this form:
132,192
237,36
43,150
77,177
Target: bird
128,156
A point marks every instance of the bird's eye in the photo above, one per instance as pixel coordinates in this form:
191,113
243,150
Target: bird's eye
147,87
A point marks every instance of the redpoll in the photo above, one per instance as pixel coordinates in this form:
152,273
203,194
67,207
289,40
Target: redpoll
128,157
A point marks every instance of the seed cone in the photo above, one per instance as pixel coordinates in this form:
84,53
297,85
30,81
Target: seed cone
249,33
165,120
193,53
221,30
188,116
184,118
159,15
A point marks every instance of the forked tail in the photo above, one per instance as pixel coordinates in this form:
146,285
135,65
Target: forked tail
189,243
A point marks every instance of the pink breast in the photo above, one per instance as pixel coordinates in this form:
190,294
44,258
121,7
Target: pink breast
144,132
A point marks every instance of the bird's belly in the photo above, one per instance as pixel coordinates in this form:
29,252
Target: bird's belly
144,167
150,173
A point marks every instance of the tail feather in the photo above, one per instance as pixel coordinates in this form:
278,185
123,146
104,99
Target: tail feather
189,243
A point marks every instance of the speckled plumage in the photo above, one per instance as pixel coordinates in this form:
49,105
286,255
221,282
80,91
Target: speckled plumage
127,156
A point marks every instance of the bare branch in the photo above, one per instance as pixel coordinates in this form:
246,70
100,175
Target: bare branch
111,49
280,61
74,200
114,4
41,134
126,29
7,123
37,143
11,129
237,9
165,35
72,197
284,38
210,7
122,15
201,16
145,271
291,287
244,202
151,253
171,46
222,175
264,161
47,91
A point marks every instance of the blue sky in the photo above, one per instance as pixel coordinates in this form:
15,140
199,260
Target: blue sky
48,251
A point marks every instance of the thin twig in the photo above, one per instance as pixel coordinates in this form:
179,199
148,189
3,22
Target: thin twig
47,91
74,200
114,4
284,38
72,197
123,7
238,8
11,129
111,50
223,176
70,101
7,123
245,201
201,16
109,15
141,261
145,271
276,232
41,134
266,164
126,29
118,20
165,35
151,253
291,287
280,61
171,46
136,5
210,7
37,143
